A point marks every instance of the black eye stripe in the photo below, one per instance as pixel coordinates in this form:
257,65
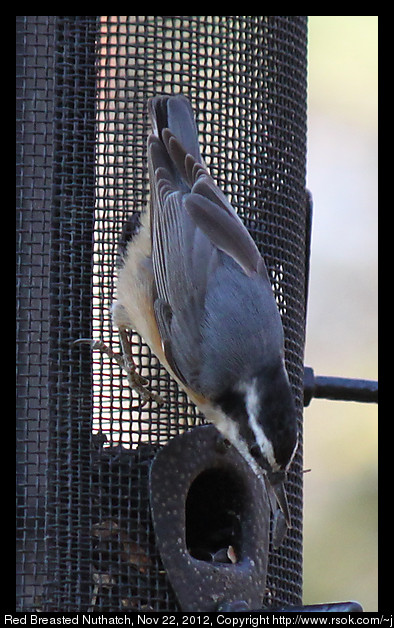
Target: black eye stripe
255,451
232,403
259,457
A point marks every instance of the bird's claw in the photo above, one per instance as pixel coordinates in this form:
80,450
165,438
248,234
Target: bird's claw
136,381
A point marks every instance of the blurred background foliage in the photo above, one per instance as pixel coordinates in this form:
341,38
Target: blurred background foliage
340,438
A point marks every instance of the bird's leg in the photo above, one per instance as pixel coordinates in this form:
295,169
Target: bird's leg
136,381
126,363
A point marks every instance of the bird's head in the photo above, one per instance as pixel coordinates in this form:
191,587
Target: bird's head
259,419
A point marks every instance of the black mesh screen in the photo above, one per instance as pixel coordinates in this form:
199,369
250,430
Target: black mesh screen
84,444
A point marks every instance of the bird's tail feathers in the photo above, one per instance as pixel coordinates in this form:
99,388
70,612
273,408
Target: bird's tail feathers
175,113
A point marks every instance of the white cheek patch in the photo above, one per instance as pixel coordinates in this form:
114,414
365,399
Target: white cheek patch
222,422
229,428
253,408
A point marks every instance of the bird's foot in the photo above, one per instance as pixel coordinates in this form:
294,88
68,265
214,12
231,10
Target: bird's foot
125,362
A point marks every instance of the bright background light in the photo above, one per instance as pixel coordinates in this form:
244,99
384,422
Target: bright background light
340,521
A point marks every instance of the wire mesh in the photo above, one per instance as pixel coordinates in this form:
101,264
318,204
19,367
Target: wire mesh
85,535
34,166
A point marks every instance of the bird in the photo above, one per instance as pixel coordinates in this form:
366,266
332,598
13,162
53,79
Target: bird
192,282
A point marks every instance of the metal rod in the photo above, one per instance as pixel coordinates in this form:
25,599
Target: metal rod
338,388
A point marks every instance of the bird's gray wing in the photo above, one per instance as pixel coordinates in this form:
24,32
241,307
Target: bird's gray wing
192,222
181,256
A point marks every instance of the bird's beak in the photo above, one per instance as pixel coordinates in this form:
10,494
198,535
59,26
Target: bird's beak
280,508
275,482
280,494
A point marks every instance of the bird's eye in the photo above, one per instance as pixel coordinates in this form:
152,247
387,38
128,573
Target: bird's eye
259,457
255,451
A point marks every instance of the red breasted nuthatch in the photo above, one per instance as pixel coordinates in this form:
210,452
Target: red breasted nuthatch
194,285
